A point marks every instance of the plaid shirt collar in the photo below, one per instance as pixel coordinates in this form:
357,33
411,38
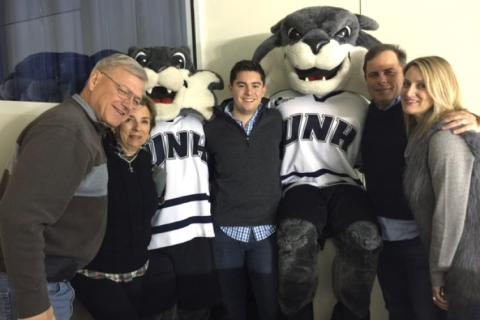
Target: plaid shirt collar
249,125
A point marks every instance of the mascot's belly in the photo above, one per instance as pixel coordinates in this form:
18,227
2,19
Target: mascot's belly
322,139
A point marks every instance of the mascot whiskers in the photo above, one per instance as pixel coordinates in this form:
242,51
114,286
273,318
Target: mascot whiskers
319,52
181,267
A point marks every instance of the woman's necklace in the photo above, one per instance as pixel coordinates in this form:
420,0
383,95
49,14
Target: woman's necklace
128,159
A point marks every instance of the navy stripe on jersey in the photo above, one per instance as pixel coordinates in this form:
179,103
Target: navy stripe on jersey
184,199
319,173
181,224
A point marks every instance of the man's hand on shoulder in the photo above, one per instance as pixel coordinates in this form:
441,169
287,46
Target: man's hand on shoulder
461,121
46,315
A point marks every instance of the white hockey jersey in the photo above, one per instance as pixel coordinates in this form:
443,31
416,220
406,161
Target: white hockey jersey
321,138
184,214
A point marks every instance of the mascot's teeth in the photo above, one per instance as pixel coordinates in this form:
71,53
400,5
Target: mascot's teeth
169,91
149,91
315,74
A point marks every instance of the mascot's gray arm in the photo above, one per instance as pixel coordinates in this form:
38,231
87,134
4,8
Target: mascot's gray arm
265,48
159,175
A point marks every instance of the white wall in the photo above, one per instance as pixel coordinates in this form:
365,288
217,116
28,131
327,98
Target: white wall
14,116
229,30
434,27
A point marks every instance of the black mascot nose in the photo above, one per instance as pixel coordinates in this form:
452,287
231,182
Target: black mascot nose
316,44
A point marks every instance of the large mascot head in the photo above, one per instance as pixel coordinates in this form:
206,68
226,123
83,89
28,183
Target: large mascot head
174,84
317,50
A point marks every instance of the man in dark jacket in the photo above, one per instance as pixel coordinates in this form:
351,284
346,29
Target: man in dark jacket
243,143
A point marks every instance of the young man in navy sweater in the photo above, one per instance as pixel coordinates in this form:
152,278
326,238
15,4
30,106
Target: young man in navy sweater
243,142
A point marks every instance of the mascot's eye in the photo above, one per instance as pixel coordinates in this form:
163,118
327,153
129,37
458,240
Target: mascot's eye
179,61
142,58
344,33
293,34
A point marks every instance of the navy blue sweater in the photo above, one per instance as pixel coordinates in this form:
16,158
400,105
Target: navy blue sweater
245,171
383,144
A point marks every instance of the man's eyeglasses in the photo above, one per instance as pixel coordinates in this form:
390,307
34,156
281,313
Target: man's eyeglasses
125,93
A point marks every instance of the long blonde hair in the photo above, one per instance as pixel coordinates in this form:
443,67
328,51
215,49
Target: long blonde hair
442,86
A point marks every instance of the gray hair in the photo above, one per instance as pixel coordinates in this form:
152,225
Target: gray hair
120,60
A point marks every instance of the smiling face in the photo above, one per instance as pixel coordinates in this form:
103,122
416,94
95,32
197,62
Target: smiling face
133,133
247,91
416,101
384,78
103,94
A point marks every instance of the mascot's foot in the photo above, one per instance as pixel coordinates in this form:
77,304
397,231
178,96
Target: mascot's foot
305,313
165,315
195,314
297,261
340,312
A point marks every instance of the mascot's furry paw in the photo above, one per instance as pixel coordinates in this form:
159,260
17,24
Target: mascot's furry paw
174,84
362,235
298,251
355,267
320,49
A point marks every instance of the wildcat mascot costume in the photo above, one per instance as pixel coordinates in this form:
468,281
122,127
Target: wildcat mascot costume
181,267
319,51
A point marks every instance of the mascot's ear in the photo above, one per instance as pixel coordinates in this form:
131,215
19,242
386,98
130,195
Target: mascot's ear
187,49
132,51
364,39
273,41
216,85
276,28
366,23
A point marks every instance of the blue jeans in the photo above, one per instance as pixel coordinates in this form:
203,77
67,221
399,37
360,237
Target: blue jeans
61,297
241,265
